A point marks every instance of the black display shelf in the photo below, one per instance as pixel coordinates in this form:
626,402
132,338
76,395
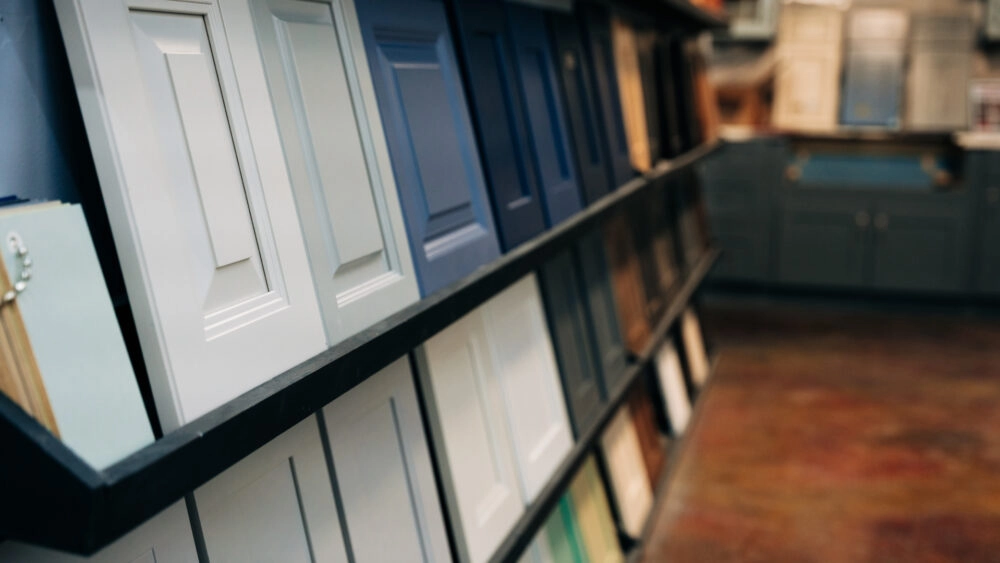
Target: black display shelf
538,512
680,14
54,499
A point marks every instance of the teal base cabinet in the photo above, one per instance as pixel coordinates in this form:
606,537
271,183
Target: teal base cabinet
986,167
823,239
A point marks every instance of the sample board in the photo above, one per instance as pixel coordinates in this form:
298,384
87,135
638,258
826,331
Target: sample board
807,83
676,400
593,514
629,482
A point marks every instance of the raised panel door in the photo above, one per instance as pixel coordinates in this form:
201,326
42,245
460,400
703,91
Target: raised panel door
383,471
603,318
633,99
593,515
277,504
597,39
201,210
314,67
582,107
529,382
422,104
626,275
629,483
469,421
501,120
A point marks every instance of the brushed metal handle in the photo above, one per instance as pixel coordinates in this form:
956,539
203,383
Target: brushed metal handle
882,221
862,219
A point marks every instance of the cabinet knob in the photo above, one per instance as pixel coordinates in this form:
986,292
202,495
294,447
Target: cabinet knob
862,219
793,173
992,196
882,221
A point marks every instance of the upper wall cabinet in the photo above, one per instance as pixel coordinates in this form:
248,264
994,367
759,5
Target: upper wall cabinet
627,65
315,68
197,192
383,471
582,107
497,412
277,504
430,138
599,46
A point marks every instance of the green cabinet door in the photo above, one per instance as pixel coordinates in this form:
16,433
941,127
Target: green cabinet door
563,535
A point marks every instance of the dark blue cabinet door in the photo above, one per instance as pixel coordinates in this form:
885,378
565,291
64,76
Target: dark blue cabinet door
873,82
500,119
603,312
646,42
430,138
597,39
587,131
546,123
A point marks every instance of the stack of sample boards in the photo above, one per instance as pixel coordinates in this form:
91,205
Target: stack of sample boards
286,178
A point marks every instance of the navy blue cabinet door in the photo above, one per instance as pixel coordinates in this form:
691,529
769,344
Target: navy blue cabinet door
582,111
646,42
539,83
565,305
500,118
609,346
597,39
430,139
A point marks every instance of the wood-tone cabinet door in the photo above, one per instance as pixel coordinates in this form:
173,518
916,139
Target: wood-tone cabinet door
582,107
430,137
603,317
694,348
626,275
553,158
164,538
937,90
501,120
626,52
468,419
629,483
565,303
199,201
597,39
563,535
593,515
382,469
646,429
335,148
676,399
529,381
645,42
277,504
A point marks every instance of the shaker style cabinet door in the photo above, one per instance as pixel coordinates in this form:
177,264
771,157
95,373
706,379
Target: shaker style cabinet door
626,52
582,107
198,196
383,471
629,484
603,319
539,84
275,505
315,68
164,538
430,138
501,120
807,81
593,514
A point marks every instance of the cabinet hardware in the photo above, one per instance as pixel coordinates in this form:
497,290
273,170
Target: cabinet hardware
882,221
862,219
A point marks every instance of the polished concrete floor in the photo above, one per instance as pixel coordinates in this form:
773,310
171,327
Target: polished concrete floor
836,436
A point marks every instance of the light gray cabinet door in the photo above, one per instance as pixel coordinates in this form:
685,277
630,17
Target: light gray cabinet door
383,471
938,90
310,56
823,239
198,198
164,538
277,504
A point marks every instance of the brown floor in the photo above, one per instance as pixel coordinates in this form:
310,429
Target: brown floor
831,436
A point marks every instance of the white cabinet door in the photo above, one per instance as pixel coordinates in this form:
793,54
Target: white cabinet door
471,431
675,394
383,471
629,481
533,397
164,538
807,89
199,201
310,57
694,348
277,504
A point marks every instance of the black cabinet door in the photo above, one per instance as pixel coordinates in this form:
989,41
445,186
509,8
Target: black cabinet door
823,239
609,346
670,123
582,110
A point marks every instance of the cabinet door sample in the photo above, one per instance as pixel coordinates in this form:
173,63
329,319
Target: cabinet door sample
546,122
873,86
315,68
500,117
626,51
566,302
626,275
629,484
529,381
563,534
806,89
672,128
582,107
275,505
164,538
593,515
937,91
603,311
646,45
694,348
383,471
823,240
597,39
646,429
469,419
675,394
202,214
433,149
